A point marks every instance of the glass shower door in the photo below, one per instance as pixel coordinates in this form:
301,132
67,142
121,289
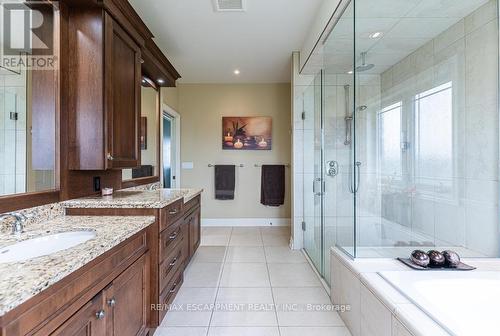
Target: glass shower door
313,179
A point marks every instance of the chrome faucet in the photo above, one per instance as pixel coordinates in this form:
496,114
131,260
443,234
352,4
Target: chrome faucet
18,225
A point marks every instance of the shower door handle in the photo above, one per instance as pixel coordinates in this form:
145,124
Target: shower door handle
317,193
354,182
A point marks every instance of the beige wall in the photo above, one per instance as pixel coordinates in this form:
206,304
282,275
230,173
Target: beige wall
170,96
201,107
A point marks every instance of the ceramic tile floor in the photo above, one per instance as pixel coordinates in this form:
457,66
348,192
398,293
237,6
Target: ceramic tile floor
247,282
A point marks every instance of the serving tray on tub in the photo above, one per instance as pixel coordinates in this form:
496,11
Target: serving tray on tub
460,267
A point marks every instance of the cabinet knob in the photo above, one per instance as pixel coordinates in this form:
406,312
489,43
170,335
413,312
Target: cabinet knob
100,314
112,302
110,157
173,212
173,236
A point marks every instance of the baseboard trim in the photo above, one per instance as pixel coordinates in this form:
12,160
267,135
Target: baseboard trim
245,222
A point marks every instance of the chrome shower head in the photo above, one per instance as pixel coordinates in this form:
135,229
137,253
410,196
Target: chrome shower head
362,107
364,66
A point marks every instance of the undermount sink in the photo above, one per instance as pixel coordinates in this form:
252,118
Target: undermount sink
45,245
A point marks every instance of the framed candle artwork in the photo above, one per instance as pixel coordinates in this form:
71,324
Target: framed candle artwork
247,133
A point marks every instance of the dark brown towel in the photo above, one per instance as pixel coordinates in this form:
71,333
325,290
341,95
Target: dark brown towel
142,171
272,185
224,182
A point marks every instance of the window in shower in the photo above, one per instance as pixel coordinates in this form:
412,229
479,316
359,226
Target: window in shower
389,124
434,160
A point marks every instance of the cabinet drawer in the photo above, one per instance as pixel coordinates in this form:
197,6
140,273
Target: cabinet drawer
170,266
170,214
169,293
169,238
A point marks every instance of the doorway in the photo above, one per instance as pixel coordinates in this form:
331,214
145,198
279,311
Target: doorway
170,129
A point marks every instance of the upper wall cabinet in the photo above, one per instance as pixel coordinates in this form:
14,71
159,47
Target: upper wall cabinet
104,100
122,68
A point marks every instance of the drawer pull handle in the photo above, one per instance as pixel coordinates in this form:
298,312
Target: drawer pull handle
173,288
100,314
173,212
173,236
173,262
112,302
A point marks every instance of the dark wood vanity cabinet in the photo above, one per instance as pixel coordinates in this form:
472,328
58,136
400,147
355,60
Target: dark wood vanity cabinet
105,92
85,321
192,224
173,240
126,301
122,101
109,296
118,310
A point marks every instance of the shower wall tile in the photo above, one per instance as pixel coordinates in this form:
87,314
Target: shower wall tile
298,151
308,195
423,215
450,223
482,191
481,236
424,57
330,196
482,136
404,70
482,65
298,194
308,151
386,81
369,231
460,210
481,16
344,204
450,36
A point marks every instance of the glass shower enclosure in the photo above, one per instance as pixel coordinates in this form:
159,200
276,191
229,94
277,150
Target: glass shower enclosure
402,144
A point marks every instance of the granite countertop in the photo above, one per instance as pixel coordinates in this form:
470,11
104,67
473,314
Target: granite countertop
155,199
21,280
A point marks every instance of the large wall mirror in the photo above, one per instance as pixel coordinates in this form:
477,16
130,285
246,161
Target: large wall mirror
28,99
149,169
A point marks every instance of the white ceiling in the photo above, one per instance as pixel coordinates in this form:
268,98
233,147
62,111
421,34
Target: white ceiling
207,46
406,26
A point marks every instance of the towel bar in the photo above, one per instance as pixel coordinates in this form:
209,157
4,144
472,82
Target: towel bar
241,165
258,165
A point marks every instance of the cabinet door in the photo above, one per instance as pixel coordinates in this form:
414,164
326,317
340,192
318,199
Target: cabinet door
127,297
194,231
90,320
122,83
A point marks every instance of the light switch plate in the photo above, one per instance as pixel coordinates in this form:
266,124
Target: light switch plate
187,165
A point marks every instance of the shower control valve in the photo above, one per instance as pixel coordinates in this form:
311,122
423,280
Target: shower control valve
332,168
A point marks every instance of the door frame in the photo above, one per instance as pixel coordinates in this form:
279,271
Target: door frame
176,144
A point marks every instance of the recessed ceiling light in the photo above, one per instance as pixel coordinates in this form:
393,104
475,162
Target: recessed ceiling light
161,81
376,35
236,72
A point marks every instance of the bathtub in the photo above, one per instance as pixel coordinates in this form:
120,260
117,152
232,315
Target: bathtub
462,303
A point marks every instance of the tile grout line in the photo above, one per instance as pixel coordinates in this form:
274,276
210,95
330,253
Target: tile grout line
270,284
219,281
